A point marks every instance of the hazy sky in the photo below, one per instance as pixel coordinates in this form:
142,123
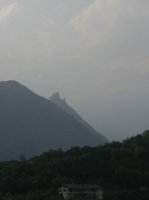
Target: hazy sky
94,52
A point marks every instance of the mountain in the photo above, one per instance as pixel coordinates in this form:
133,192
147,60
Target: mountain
31,124
55,98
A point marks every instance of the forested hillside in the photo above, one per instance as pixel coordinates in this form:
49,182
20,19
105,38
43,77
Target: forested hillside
122,169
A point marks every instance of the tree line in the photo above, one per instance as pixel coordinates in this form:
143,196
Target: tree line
121,168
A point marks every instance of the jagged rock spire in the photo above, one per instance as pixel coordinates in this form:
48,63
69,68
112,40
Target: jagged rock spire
55,97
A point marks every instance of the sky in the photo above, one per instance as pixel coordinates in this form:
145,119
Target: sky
95,53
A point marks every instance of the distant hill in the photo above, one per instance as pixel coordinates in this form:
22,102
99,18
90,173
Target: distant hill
120,168
55,98
31,124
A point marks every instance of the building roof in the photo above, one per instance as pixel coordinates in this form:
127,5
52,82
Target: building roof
81,186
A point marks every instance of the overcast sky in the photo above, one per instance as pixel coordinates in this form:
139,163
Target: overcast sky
94,52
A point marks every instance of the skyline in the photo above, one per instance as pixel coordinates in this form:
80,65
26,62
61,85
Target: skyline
93,52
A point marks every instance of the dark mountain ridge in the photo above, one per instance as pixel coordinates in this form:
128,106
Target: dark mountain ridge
31,124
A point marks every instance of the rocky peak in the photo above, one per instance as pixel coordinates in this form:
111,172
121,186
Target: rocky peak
55,98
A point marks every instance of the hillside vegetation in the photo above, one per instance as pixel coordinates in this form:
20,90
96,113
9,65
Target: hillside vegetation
121,168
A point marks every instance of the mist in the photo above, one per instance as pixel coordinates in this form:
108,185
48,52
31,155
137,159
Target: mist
94,52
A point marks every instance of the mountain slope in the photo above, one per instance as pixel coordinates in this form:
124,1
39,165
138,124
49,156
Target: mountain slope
31,124
55,98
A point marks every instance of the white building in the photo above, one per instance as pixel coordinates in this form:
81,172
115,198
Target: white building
69,191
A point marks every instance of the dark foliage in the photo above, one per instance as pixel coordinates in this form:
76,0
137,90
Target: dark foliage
121,168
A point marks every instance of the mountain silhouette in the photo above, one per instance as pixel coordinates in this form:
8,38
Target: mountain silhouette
55,98
31,124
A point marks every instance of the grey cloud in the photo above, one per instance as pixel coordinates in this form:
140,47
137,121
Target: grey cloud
94,52
6,11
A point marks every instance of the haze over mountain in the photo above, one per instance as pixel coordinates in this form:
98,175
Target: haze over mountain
31,124
95,52
55,98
